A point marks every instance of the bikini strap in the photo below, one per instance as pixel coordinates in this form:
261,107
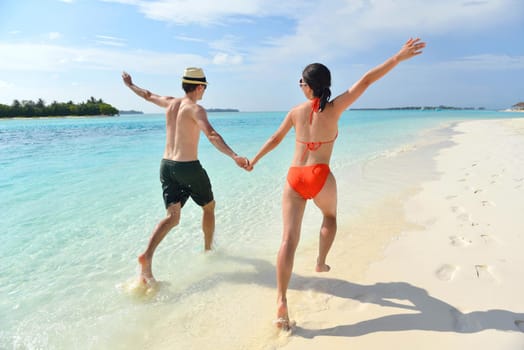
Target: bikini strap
313,146
315,106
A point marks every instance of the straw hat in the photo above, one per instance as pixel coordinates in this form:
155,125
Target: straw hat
194,75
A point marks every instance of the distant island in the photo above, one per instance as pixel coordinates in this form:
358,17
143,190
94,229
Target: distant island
517,107
130,112
31,109
222,110
420,108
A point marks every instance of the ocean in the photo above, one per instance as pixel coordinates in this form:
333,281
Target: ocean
80,197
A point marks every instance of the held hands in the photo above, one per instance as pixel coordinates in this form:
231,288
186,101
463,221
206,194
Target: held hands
242,162
251,165
411,48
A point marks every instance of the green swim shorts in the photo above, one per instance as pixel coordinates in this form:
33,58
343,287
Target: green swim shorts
181,180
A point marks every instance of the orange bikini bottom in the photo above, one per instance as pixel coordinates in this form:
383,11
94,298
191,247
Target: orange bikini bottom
308,180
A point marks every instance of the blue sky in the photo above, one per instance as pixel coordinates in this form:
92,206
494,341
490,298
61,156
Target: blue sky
253,51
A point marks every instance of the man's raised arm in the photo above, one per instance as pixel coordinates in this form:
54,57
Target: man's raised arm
162,101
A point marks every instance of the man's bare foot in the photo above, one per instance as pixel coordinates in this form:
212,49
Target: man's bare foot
282,320
146,275
322,268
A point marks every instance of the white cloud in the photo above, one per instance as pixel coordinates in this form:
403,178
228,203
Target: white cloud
222,58
228,43
189,39
54,35
227,53
486,62
5,85
110,40
345,15
357,25
54,58
331,28
207,12
107,37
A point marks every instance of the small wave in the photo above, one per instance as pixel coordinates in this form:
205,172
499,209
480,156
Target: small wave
139,289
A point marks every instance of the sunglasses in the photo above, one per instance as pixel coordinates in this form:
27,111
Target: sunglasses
301,82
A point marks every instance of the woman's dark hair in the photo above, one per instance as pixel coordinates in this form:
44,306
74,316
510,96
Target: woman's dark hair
318,77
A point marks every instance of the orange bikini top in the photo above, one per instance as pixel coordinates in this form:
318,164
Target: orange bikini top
313,146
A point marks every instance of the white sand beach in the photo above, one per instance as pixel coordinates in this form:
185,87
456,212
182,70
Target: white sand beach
436,265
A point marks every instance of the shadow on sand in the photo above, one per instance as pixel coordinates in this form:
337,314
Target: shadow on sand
427,312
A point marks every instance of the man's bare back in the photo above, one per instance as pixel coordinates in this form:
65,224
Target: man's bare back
181,174
182,130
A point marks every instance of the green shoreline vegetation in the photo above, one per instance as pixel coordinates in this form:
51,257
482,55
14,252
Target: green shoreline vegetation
31,109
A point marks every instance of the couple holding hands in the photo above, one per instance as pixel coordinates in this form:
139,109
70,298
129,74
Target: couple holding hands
316,128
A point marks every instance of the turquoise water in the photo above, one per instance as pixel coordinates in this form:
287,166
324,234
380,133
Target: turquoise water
80,196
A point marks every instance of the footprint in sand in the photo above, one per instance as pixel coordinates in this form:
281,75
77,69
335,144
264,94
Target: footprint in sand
488,204
459,241
520,325
464,217
477,191
458,209
317,301
446,272
484,272
451,197
487,238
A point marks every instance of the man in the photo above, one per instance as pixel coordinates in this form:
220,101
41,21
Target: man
181,174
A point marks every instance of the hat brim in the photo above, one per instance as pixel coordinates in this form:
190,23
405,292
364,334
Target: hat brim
195,82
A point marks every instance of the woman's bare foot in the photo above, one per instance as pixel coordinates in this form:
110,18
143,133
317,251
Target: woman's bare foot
146,275
322,267
282,320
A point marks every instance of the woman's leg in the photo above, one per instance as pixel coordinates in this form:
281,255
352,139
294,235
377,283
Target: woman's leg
292,212
326,201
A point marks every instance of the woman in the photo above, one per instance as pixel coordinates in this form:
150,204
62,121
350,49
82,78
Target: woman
309,177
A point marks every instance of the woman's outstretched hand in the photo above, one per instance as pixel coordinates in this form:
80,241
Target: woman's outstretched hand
411,48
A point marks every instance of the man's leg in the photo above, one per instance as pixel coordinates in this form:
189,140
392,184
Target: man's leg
208,224
162,228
